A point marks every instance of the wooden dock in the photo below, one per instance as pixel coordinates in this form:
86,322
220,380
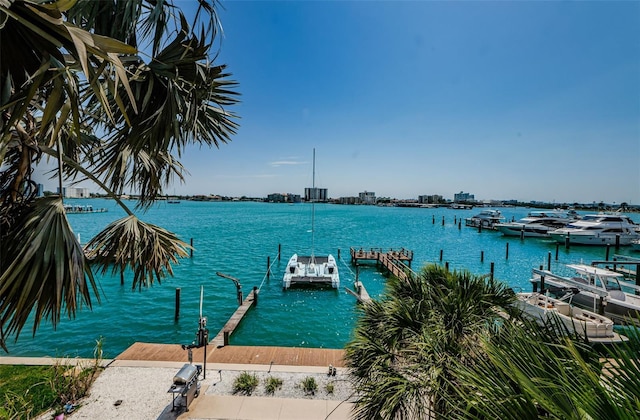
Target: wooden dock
262,355
396,262
222,338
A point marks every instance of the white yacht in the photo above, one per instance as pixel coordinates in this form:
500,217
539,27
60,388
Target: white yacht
311,270
486,219
598,229
592,288
543,308
537,224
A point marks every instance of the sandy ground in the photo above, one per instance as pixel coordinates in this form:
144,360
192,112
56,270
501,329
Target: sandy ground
142,392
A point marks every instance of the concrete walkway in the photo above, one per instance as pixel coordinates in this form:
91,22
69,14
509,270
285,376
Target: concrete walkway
265,408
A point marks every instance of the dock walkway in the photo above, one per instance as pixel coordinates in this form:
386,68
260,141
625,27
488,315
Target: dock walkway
397,262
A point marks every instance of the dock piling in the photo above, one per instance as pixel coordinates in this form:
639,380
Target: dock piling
191,249
507,252
549,261
481,256
279,253
268,266
177,311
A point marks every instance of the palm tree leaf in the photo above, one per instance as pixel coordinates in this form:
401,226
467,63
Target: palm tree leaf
147,250
47,270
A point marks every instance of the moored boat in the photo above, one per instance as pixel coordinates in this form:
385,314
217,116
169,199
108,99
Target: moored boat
537,224
486,219
311,270
543,308
598,289
599,229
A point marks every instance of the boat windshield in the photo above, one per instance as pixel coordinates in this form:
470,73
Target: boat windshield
611,284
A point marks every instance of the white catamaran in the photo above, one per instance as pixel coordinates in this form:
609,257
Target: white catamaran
312,269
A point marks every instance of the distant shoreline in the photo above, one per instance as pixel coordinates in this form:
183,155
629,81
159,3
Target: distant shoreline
413,203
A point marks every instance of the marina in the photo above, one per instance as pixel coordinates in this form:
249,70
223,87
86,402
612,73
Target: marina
237,238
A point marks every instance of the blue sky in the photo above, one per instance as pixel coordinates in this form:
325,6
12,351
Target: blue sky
504,100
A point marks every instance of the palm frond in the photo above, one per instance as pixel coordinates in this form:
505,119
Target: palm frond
147,250
46,272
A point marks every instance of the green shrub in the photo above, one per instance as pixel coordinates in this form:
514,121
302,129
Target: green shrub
272,385
309,385
245,383
329,387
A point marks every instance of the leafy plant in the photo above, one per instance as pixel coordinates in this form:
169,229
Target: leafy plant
272,384
329,387
245,383
309,385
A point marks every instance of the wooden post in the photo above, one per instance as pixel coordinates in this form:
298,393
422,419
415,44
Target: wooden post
191,250
239,294
459,224
557,248
440,255
442,220
492,270
177,311
255,295
433,219
522,234
606,254
567,241
225,338
481,256
617,241
279,251
541,284
446,265
507,252
549,261
479,227
338,253
268,266
121,278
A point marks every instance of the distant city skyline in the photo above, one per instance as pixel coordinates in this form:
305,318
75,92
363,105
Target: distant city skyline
533,101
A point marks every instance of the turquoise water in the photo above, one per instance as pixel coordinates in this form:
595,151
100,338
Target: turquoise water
236,238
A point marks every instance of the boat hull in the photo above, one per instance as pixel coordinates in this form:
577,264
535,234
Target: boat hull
311,271
531,231
625,311
582,322
579,238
